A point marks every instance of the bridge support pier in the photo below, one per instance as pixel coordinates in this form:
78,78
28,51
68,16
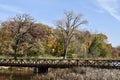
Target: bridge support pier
40,69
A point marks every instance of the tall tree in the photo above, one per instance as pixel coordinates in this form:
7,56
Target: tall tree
21,26
68,25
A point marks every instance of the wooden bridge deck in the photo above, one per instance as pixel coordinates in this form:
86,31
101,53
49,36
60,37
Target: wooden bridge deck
60,63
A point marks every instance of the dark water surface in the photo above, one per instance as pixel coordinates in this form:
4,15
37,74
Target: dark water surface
16,74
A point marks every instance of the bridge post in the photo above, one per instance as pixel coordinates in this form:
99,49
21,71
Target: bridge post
40,69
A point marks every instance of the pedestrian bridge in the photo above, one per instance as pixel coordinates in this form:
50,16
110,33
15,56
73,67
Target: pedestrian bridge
44,64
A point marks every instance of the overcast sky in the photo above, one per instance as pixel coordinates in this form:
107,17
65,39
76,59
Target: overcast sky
103,15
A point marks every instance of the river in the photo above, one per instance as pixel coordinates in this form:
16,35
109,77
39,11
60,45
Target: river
16,74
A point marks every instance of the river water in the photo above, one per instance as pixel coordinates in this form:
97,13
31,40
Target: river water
22,74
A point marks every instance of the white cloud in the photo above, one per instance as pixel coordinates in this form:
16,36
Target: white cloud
111,6
10,8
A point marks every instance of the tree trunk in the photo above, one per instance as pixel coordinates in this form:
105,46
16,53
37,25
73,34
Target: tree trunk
16,48
65,50
65,53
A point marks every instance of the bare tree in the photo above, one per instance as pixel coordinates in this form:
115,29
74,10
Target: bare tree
68,25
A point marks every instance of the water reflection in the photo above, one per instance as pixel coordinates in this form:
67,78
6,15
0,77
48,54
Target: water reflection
16,74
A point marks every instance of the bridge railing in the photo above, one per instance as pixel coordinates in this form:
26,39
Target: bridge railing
33,62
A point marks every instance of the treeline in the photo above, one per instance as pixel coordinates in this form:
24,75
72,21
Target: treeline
22,36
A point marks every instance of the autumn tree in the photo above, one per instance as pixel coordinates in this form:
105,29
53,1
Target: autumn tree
26,38
21,26
99,47
82,42
67,26
59,46
6,41
47,40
